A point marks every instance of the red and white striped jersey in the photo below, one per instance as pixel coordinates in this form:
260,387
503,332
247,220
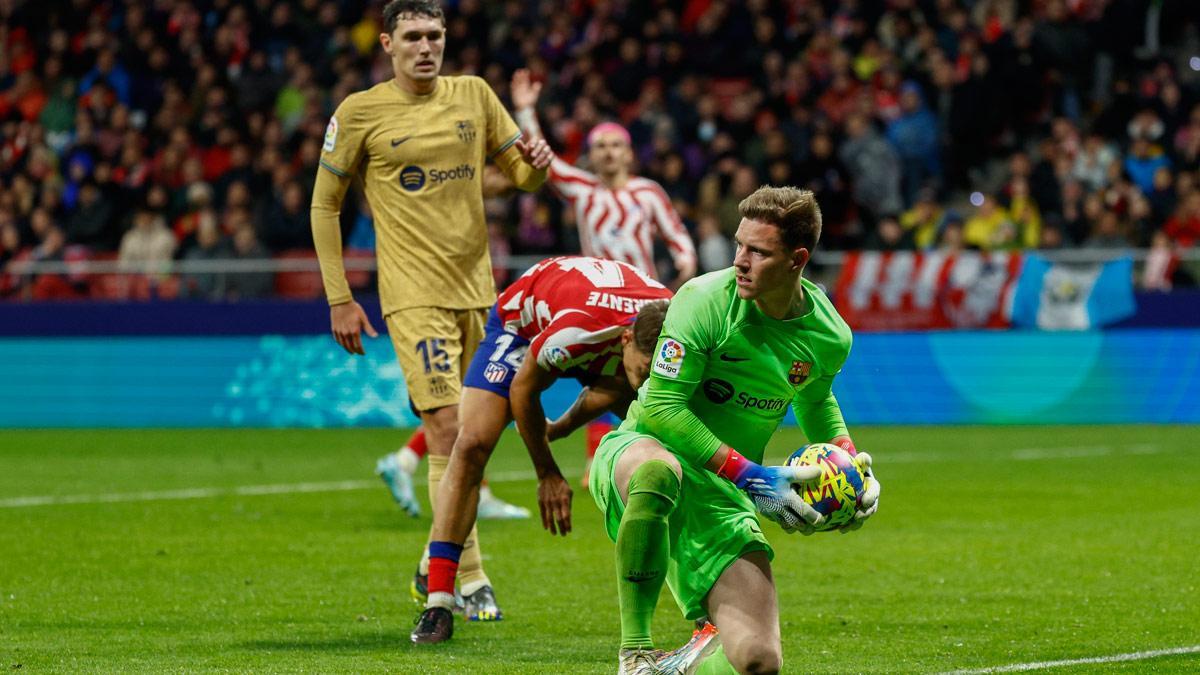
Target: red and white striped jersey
573,310
620,224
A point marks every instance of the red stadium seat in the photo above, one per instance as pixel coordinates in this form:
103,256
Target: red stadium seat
55,287
358,279
298,285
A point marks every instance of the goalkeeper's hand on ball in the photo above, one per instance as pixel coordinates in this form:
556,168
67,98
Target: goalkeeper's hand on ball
868,503
770,489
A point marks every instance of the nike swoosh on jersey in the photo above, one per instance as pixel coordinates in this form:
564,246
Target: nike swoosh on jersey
733,359
398,141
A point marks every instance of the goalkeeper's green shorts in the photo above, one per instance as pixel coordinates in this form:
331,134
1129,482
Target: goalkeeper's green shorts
713,523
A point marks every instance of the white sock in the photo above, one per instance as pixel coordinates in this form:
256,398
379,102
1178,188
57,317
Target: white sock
485,493
408,460
440,599
470,588
423,566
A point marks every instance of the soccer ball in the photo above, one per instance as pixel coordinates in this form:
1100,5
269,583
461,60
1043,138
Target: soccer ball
836,494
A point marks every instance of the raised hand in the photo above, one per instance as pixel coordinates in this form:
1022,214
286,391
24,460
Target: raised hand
524,90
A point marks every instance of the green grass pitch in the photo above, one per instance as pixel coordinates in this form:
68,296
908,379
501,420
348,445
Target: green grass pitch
992,546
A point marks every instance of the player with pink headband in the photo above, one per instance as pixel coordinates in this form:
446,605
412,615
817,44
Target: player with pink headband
618,214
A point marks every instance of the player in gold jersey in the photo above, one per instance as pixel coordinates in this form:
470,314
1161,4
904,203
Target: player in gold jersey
419,143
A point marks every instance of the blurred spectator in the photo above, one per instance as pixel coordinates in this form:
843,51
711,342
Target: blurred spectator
1160,264
1143,160
888,235
1183,227
1051,238
211,244
874,168
923,218
1092,162
715,251
286,223
92,221
1024,213
744,182
500,251
914,134
950,239
1107,233
248,285
148,243
990,227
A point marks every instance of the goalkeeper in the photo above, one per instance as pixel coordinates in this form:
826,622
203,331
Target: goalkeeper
679,482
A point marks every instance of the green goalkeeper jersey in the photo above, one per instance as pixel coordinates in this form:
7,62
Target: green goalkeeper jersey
725,372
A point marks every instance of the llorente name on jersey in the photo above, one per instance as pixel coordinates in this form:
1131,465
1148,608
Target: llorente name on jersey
616,302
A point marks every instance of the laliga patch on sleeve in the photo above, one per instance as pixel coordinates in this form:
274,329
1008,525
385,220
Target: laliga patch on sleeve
555,356
330,135
669,358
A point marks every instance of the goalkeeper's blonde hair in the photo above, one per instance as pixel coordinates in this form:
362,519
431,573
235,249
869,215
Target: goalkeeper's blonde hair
792,210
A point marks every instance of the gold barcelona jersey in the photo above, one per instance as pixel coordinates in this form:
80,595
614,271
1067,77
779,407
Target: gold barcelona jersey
421,161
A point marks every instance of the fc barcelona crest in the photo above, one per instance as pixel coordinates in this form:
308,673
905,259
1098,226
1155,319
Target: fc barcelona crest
466,130
799,372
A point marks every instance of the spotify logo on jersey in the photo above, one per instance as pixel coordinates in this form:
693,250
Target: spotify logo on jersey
718,391
412,178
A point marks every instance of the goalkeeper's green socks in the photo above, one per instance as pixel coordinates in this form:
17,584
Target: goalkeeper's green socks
643,550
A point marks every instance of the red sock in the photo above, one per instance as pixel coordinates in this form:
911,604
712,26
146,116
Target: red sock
443,566
417,443
596,430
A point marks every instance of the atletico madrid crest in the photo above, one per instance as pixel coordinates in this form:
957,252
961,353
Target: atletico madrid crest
799,372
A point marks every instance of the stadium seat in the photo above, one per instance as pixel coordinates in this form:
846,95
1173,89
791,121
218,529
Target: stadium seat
55,287
298,285
358,279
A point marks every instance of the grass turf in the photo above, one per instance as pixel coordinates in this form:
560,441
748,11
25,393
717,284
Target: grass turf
992,546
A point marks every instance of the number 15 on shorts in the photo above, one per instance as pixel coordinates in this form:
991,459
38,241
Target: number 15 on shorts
433,355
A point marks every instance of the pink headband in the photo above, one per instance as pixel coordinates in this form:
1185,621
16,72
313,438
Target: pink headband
607,128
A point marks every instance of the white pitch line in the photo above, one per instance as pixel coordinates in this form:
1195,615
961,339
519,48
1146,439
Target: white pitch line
1115,658
244,490
499,477
1061,453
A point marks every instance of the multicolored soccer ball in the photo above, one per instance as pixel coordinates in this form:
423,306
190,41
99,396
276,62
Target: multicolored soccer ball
836,494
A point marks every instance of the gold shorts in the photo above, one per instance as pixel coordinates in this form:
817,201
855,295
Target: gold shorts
435,346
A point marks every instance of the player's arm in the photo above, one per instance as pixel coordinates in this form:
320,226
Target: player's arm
672,231
346,317
523,161
525,396
666,415
691,331
568,181
495,183
604,395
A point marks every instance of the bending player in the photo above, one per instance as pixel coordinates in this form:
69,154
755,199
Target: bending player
419,142
618,214
680,481
595,320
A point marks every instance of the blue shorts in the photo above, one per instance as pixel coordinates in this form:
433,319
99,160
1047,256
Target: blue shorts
496,361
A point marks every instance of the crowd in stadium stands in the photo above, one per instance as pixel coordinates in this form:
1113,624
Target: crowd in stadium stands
191,129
